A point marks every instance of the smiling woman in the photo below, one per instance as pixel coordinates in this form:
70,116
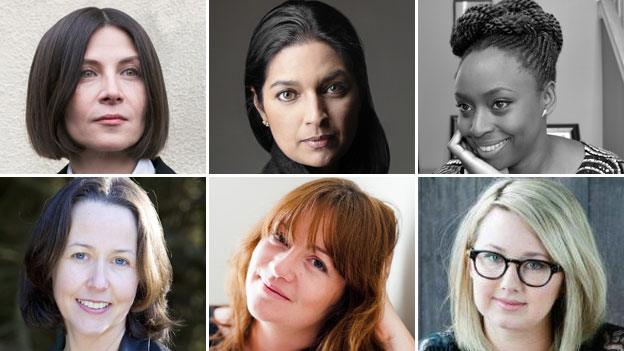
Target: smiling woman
96,95
505,90
101,294
525,273
307,277
307,94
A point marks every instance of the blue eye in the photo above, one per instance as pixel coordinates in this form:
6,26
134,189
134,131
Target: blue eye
535,265
121,261
79,256
318,264
490,256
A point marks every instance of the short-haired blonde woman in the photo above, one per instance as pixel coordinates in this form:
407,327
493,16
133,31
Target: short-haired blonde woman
525,274
312,276
97,269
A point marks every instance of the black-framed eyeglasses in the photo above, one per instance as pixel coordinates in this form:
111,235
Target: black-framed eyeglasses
492,265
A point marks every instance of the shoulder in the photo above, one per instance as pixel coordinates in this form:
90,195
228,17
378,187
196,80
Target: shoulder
161,167
128,343
440,341
600,161
453,166
608,337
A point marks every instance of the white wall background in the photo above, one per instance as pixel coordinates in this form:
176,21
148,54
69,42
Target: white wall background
237,203
579,70
177,29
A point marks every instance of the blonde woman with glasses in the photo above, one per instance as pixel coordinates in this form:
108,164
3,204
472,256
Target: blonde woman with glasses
525,274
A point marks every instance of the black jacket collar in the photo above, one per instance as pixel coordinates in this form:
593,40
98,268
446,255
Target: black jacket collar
159,166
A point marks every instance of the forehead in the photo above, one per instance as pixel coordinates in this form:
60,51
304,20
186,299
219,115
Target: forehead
508,231
102,225
110,42
309,60
484,70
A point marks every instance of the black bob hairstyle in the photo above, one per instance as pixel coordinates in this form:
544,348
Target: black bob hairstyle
55,73
298,21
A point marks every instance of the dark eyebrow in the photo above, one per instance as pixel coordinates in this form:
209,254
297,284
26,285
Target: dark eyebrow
121,62
331,76
490,92
90,247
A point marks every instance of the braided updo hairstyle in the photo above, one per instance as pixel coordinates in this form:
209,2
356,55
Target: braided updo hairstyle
519,27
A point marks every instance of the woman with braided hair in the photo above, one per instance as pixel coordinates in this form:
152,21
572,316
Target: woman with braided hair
505,89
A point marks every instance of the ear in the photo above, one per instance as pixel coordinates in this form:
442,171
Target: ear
549,97
258,104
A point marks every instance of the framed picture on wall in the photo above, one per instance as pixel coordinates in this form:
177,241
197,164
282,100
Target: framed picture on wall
460,6
570,131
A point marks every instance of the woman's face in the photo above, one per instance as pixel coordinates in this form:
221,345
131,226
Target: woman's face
107,111
507,303
96,278
291,285
500,107
311,103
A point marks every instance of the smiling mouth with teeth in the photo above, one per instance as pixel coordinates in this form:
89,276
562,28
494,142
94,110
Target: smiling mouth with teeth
493,147
93,305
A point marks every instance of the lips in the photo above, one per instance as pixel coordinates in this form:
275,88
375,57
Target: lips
319,141
273,290
111,119
492,147
93,306
509,304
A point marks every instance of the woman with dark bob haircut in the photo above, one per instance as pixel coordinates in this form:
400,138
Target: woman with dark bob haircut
96,95
307,94
97,268
505,91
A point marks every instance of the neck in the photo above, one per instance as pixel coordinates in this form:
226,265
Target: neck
108,341
539,157
102,162
268,336
538,339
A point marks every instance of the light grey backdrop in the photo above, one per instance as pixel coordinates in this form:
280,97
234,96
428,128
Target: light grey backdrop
177,29
442,202
238,203
386,29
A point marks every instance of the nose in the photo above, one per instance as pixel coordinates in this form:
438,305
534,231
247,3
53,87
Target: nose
283,265
481,123
510,280
316,111
99,277
111,92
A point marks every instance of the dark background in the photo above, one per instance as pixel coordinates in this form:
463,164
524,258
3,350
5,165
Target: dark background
386,29
442,203
181,205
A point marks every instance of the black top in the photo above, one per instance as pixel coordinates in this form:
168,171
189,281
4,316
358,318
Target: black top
128,343
596,161
281,164
608,337
159,166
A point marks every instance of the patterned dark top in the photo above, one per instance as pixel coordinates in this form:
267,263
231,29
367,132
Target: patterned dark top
609,337
596,161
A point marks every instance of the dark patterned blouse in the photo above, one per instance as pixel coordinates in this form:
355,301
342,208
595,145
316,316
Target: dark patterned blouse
609,337
596,161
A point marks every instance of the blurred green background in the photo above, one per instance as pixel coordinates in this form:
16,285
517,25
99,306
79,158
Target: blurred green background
181,204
